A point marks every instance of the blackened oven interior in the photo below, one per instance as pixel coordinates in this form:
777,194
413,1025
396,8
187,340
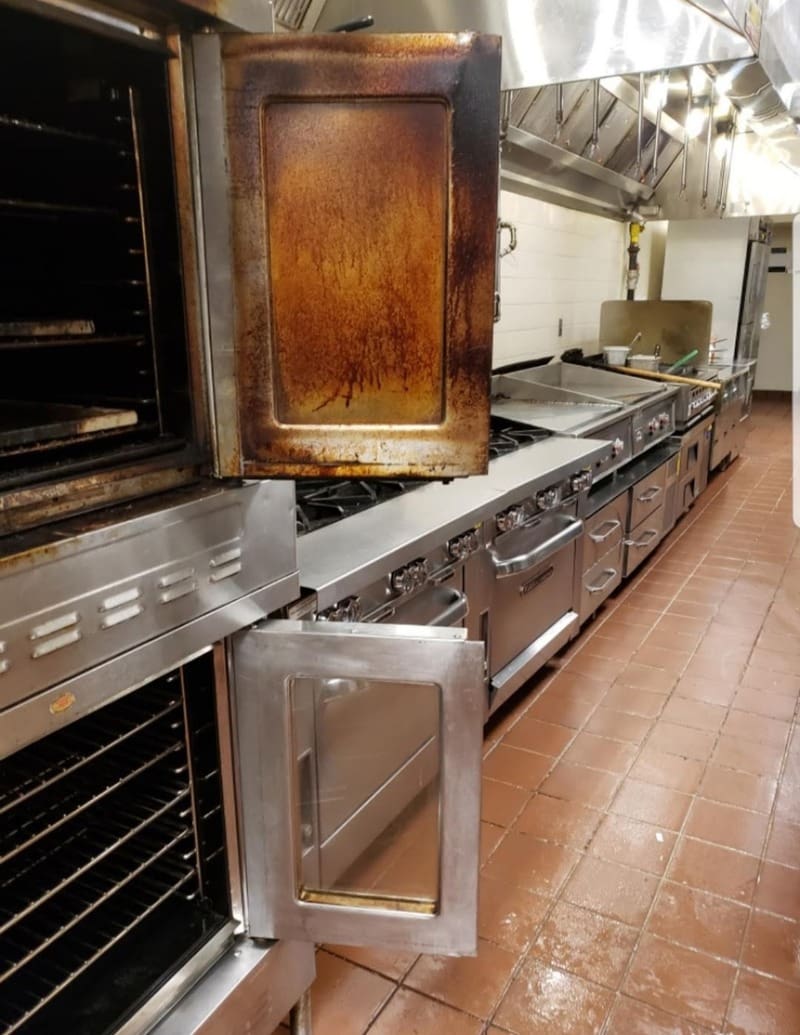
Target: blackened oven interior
93,362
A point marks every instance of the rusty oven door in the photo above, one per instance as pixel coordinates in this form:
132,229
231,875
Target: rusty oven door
349,204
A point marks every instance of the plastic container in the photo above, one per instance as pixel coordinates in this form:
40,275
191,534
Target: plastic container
643,362
616,355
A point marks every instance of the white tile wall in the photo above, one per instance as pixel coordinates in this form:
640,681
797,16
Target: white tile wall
565,265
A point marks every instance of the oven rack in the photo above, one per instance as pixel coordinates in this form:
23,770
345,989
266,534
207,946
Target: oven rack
111,840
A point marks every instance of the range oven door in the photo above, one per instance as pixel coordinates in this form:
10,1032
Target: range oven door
359,768
534,598
348,187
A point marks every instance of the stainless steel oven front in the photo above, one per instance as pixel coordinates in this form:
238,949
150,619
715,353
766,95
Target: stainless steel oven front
157,806
533,562
152,336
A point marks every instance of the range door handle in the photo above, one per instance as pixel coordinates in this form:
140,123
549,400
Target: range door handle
456,611
610,575
610,526
452,604
566,530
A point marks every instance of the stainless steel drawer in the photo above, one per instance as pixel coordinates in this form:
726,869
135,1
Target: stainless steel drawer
647,495
644,538
604,530
601,580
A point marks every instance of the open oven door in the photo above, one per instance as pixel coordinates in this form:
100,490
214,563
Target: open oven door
348,191
359,768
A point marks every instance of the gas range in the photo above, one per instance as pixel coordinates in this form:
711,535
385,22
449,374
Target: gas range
324,501
507,437
442,524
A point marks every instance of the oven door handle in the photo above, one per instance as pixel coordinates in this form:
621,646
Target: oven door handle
455,610
570,529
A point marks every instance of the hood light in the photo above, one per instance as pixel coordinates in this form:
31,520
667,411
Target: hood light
698,81
695,122
657,93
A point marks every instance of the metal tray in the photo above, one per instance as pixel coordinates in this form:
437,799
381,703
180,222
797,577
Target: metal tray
23,423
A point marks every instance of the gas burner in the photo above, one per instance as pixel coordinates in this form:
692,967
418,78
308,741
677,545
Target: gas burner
507,437
323,501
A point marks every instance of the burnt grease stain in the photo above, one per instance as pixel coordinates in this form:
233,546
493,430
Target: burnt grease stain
364,180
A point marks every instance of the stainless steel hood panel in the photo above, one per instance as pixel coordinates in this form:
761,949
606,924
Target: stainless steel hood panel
753,44
553,42
340,559
529,163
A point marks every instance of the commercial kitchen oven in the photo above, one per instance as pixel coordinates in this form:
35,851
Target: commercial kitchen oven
124,341
155,783
200,275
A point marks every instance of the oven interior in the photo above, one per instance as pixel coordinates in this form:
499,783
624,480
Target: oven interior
93,363
113,866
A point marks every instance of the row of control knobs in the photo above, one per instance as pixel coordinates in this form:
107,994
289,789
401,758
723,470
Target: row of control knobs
547,499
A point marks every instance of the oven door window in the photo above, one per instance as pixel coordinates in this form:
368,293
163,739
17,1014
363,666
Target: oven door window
350,205
360,750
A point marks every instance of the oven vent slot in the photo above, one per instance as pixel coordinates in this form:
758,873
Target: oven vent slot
111,851
290,13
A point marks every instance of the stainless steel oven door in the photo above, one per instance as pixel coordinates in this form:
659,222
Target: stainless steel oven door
533,609
359,767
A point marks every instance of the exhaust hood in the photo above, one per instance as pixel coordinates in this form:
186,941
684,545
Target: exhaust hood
670,109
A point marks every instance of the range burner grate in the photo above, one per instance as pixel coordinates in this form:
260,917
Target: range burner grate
323,501
507,437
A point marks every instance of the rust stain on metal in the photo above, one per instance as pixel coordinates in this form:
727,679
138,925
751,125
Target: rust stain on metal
357,228
364,200
62,704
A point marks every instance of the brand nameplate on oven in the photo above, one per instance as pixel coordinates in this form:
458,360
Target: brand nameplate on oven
531,584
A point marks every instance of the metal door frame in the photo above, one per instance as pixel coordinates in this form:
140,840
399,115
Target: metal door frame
265,659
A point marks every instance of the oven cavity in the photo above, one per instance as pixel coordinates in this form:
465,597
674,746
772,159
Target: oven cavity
92,345
113,864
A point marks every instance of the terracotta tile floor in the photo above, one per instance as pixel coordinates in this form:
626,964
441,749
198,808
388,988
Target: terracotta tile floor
641,870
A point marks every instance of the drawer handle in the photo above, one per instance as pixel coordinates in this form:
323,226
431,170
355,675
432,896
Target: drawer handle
650,494
610,573
600,537
569,528
648,536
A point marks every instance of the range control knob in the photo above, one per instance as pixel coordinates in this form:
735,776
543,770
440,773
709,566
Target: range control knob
462,546
511,518
653,425
348,610
664,419
548,498
617,447
418,572
409,577
579,482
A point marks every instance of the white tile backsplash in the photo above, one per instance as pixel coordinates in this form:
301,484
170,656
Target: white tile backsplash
566,264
